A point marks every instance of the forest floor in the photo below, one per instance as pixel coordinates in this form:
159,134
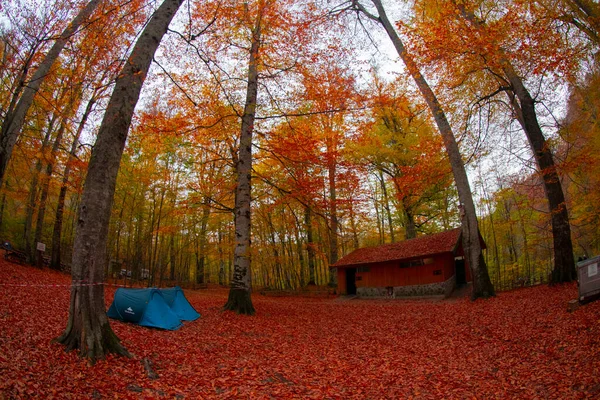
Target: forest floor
522,344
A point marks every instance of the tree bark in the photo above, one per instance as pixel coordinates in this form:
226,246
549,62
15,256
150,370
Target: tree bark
310,246
386,206
482,285
524,108
409,219
88,329
202,242
33,193
564,262
55,260
39,226
333,218
239,294
13,123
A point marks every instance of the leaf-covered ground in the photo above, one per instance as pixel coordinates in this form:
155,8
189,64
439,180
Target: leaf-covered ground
522,344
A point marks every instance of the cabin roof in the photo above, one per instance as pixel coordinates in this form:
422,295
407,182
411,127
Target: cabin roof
444,242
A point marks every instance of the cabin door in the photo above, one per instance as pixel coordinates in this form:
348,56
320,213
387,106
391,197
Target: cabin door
351,281
461,275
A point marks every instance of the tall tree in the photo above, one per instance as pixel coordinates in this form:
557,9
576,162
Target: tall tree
88,328
482,285
239,295
13,122
402,144
523,105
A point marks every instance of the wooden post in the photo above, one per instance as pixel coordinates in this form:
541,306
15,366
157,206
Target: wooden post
41,248
572,305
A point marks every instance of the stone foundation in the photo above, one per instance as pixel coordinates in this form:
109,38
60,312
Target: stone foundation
432,289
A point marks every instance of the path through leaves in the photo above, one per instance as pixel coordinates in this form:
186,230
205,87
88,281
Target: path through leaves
522,344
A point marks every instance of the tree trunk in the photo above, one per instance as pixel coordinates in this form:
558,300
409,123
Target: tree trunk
379,215
564,262
2,205
482,286
587,17
333,217
239,294
55,261
154,259
39,226
88,328
33,193
409,219
310,246
201,258
386,205
172,257
12,124
221,258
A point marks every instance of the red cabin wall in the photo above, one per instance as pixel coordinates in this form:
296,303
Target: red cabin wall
341,279
391,274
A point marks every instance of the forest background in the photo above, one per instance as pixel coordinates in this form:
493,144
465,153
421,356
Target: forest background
345,151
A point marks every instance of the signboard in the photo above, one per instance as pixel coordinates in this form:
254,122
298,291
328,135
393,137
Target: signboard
592,270
41,246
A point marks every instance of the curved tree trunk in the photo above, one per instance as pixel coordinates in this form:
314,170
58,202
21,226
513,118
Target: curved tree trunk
239,294
524,108
12,124
88,328
564,262
482,285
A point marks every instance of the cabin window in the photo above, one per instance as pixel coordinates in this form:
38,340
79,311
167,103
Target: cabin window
412,263
364,269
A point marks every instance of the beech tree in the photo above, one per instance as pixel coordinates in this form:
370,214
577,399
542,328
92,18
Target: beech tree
482,285
15,117
502,73
523,105
404,146
88,329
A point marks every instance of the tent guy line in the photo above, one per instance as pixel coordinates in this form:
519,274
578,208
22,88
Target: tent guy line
63,285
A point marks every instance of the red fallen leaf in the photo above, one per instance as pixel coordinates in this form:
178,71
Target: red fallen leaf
522,344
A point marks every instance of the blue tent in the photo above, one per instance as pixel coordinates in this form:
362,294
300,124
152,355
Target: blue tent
145,307
179,304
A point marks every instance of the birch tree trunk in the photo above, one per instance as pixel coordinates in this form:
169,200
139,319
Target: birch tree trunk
239,294
88,329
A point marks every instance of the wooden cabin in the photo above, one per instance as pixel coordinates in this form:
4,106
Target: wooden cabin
427,265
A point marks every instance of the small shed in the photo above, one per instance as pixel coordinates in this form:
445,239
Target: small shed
588,279
427,265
